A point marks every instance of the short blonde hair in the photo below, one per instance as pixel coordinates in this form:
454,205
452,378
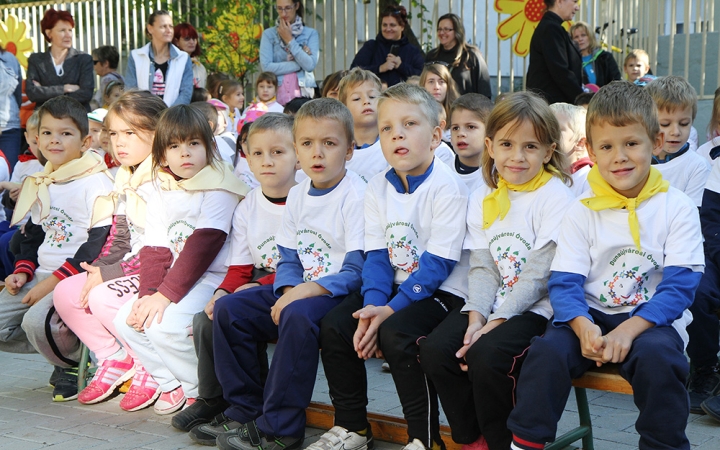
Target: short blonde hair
671,93
33,121
637,53
326,108
620,104
414,95
576,116
353,78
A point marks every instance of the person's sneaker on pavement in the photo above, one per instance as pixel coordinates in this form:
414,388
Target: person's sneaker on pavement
339,438
249,437
66,385
207,433
704,382
200,412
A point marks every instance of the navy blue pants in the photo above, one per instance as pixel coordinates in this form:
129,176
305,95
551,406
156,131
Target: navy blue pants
241,320
704,346
7,259
655,367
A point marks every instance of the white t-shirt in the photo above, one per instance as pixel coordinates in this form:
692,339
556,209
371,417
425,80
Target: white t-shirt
444,153
172,216
580,183
619,277
688,172
254,226
367,162
322,229
472,180
432,219
704,150
20,172
531,223
67,226
243,172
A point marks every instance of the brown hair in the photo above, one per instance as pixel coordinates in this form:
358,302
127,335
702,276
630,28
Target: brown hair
332,82
477,104
353,78
139,109
443,72
671,93
267,77
398,12
592,42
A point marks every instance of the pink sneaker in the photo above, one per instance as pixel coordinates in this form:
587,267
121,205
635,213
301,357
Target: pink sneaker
111,374
480,444
189,402
169,402
143,391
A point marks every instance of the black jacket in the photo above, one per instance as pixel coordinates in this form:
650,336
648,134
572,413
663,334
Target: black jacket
606,69
555,68
471,75
373,54
78,69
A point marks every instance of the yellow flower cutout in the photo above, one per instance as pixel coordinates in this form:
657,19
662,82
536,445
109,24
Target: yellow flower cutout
14,39
524,18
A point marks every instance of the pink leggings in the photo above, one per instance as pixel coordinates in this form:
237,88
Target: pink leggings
94,324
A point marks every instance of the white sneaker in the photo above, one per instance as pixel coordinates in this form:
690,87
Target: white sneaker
416,444
338,438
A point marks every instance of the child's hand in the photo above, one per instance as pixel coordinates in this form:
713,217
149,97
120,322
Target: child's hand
618,341
14,282
146,309
14,192
365,337
472,334
210,307
592,342
93,279
40,290
291,294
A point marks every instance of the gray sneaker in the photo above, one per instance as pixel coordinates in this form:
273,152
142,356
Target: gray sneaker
249,437
338,438
207,433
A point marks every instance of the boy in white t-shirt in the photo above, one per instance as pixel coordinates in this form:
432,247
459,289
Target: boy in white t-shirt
574,143
252,261
415,225
359,91
320,242
676,102
628,262
468,116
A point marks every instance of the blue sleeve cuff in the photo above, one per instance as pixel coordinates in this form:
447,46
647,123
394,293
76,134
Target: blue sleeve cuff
567,297
432,272
378,277
674,294
349,278
289,270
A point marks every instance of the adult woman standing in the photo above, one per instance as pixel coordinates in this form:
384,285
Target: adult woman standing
10,100
186,39
290,50
159,66
390,55
555,69
466,63
62,70
599,67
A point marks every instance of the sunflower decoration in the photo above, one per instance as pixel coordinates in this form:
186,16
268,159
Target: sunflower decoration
14,38
524,18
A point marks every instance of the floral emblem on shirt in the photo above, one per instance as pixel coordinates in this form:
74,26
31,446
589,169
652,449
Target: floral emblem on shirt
59,232
178,234
315,261
403,254
270,259
509,265
626,288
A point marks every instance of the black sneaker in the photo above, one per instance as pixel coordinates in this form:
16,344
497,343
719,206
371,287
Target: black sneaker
202,411
207,433
66,385
249,437
57,370
704,383
711,407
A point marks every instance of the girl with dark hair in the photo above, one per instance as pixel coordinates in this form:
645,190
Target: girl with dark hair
186,39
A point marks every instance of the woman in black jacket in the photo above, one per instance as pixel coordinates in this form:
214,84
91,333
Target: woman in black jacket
555,69
466,63
390,56
599,67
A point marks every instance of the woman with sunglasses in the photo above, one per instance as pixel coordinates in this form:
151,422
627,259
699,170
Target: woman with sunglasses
390,55
186,39
290,50
62,70
465,62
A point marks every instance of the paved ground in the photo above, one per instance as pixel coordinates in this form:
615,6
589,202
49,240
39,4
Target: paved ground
30,420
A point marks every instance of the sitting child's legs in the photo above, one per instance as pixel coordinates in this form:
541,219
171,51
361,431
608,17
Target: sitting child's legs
12,311
104,301
7,259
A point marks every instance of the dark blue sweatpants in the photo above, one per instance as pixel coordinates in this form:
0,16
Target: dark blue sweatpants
655,367
243,319
704,346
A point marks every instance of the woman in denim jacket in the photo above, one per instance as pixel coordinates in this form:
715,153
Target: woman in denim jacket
290,50
10,101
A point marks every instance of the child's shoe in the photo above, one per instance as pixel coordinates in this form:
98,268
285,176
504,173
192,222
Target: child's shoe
202,411
66,385
249,437
207,433
111,374
339,438
169,402
143,391
704,383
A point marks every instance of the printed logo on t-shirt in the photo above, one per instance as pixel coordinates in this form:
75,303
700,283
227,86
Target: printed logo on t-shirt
315,261
510,257
269,253
626,288
58,228
179,232
404,255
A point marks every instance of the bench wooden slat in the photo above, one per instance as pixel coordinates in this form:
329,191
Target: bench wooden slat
604,378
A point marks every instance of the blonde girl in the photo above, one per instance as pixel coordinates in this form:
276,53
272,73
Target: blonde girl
436,79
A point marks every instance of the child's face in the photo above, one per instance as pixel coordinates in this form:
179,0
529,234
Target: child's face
105,140
407,138
436,86
322,148
468,136
101,68
623,155
114,94
31,136
222,124
95,128
574,150
60,141
636,68
362,102
129,147
273,161
186,159
334,92
265,91
676,126
234,100
518,153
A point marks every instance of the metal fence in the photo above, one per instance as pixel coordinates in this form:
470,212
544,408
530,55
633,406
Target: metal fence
681,36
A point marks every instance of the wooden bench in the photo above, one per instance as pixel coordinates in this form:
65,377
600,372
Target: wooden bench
394,429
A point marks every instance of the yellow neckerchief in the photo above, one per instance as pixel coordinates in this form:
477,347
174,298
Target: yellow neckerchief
498,202
606,197
208,179
35,187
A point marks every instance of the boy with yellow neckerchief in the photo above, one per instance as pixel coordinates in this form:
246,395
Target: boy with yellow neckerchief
628,261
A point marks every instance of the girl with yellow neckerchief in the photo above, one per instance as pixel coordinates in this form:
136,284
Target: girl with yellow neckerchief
183,260
512,228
